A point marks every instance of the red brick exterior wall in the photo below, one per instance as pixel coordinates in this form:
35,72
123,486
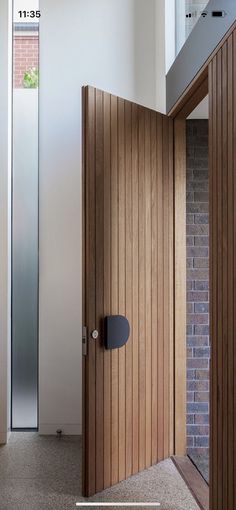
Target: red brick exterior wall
26,55
198,347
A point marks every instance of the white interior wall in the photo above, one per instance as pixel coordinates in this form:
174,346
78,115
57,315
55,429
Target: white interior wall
161,55
5,216
170,33
113,45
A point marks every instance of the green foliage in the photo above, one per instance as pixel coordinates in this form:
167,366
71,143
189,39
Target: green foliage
31,78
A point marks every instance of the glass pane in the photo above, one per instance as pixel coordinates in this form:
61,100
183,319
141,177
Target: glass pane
187,14
25,217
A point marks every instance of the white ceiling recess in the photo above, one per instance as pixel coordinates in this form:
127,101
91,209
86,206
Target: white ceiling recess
201,111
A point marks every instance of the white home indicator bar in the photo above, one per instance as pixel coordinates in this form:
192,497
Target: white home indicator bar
118,504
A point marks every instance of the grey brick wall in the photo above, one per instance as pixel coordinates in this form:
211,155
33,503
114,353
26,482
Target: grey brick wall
197,231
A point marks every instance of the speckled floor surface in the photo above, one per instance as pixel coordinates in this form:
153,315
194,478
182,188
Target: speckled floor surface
44,473
201,461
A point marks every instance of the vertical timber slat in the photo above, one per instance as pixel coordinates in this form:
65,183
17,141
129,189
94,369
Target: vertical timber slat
135,282
179,284
99,282
114,290
107,287
121,282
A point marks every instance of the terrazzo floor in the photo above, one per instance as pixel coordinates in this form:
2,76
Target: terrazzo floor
44,473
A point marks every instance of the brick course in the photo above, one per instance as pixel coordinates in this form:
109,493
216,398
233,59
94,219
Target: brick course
197,231
26,56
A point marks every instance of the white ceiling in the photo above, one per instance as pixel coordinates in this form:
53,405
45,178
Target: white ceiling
202,110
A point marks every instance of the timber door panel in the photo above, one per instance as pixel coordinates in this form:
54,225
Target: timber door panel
128,270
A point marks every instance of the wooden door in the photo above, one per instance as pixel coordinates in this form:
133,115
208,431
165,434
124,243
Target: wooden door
128,270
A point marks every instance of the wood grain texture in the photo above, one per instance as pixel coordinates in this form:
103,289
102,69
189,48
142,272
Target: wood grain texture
222,135
128,264
180,285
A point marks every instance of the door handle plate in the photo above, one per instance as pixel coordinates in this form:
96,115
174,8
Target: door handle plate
117,331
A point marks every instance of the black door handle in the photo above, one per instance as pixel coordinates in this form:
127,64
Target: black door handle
117,331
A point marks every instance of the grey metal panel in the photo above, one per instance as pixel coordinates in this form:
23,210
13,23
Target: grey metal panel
202,41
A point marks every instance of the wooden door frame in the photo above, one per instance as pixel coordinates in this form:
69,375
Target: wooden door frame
191,99
192,96
186,104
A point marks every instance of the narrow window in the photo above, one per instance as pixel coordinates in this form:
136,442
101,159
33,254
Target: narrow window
25,215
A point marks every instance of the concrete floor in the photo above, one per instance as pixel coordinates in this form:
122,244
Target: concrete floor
44,473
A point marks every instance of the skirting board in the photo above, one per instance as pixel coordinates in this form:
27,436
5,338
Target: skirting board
69,429
4,437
